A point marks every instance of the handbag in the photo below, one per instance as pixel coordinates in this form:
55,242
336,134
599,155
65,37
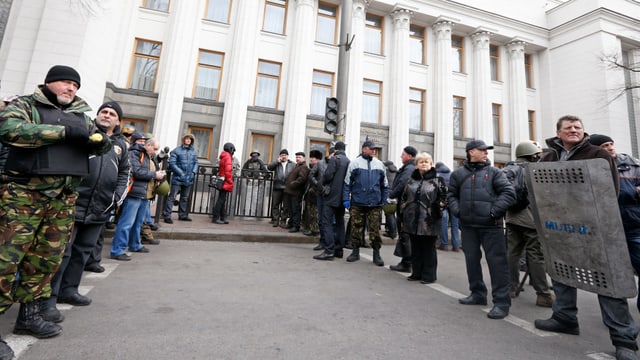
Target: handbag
216,182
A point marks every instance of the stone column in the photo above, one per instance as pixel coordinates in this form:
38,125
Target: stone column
172,74
634,79
518,115
481,114
299,78
399,85
240,66
353,115
442,98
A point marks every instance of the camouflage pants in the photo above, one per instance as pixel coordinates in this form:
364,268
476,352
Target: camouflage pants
34,230
359,215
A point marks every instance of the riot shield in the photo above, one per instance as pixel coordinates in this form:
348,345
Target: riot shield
575,208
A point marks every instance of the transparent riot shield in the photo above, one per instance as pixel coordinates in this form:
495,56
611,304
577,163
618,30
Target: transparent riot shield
575,208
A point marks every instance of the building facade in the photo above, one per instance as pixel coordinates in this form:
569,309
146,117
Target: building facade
429,73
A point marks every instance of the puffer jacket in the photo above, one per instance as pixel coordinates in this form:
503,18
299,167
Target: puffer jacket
280,176
183,162
401,179
297,180
629,199
106,185
333,177
423,199
479,195
365,183
226,169
140,171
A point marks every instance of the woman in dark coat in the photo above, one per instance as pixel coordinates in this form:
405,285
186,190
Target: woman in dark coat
423,199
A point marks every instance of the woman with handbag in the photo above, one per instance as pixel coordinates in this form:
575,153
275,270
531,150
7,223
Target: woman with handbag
423,199
225,170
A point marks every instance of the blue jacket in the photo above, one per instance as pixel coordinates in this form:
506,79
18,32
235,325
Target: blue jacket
140,171
628,199
365,183
184,165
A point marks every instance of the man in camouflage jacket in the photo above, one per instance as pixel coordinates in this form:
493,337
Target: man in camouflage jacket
48,137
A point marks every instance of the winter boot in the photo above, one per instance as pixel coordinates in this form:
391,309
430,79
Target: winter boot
30,322
355,255
49,311
376,258
5,351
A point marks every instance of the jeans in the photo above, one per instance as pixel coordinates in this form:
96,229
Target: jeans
147,216
494,245
333,239
128,229
623,330
184,191
455,230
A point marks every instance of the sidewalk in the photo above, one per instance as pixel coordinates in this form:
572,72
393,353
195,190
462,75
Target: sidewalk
238,229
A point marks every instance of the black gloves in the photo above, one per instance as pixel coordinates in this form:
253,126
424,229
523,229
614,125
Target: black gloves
78,134
97,141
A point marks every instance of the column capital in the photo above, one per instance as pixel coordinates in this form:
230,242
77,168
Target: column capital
305,2
359,8
401,18
442,29
481,39
515,48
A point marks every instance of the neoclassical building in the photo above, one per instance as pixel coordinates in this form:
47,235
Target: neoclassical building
430,73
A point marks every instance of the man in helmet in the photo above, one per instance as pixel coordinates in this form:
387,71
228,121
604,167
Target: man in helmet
521,231
183,162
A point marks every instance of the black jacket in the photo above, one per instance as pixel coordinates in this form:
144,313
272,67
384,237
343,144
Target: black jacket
423,199
334,176
401,179
279,176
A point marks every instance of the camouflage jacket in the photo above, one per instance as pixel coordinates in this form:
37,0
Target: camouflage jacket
21,126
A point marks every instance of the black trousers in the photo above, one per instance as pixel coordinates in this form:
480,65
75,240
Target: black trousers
295,210
424,262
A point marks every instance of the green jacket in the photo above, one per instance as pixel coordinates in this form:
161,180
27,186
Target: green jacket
20,126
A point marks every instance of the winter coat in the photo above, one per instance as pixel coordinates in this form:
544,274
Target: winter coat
297,180
391,170
479,195
522,217
140,172
106,185
225,168
423,199
365,183
629,199
314,183
279,174
333,178
401,179
183,162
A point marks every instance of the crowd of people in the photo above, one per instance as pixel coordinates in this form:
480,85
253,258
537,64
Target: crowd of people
53,213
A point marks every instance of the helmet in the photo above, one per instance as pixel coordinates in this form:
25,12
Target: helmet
527,148
389,209
163,188
228,147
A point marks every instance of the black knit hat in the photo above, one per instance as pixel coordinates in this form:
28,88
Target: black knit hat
411,151
597,139
316,154
62,72
112,105
284,152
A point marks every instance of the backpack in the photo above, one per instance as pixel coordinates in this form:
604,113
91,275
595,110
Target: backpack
515,174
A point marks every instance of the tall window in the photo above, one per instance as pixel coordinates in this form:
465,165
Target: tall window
322,146
532,124
528,70
458,116
145,64
416,52
326,29
202,144
373,34
268,84
264,145
321,89
457,53
496,116
275,16
208,75
371,91
218,10
139,125
160,5
416,109
494,55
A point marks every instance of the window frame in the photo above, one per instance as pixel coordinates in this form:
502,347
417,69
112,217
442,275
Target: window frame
206,12
335,21
422,104
274,3
138,124
314,84
378,29
531,122
495,59
459,110
379,97
258,75
496,117
200,65
460,52
145,5
423,39
190,129
135,56
528,70
270,140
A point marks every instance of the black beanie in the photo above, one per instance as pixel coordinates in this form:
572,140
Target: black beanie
284,152
112,105
61,72
597,139
411,151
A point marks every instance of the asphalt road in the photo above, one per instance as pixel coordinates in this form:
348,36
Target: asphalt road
234,300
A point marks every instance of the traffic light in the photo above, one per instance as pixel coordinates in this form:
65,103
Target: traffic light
331,115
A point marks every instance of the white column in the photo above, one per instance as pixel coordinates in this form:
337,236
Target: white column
299,78
443,101
399,85
353,116
172,74
517,94
481,115
634,78
241,70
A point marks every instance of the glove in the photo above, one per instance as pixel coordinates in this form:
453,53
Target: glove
76,134
346,204
97,142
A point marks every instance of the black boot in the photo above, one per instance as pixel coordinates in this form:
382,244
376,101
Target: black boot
49,311
376,257
5,351
355,254
30,322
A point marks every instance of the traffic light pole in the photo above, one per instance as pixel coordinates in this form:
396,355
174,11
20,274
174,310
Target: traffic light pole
343,66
